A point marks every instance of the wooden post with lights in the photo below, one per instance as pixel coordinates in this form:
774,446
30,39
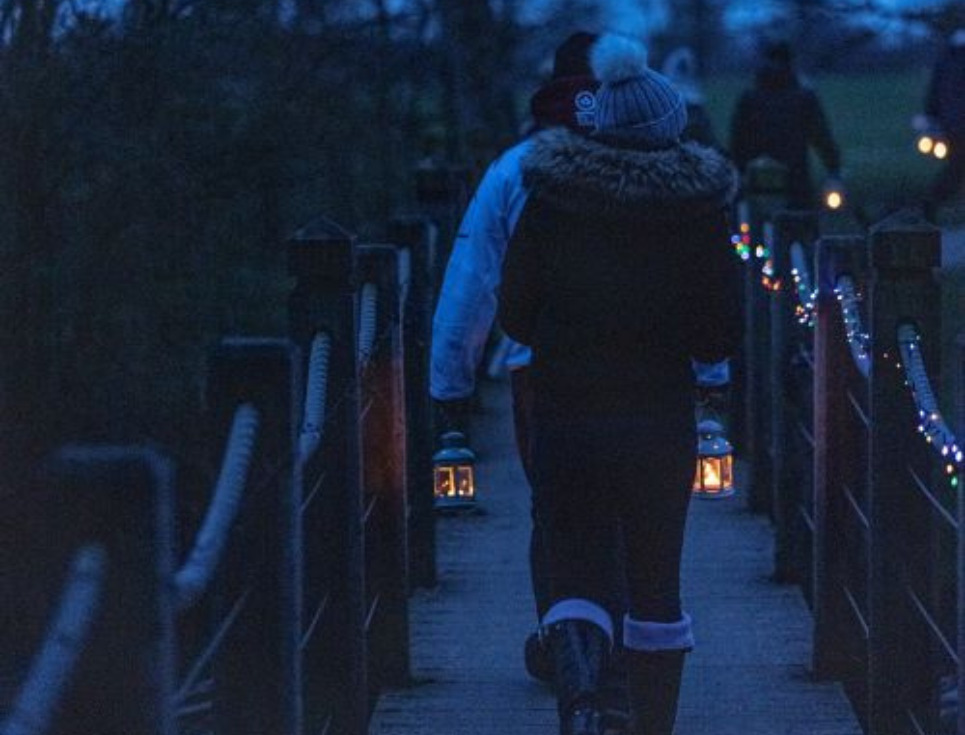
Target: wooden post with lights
791,229
960,617
903,535
765,184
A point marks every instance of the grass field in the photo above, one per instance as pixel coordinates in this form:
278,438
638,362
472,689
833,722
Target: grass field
870,116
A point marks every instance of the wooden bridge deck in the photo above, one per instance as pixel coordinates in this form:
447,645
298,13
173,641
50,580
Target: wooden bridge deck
749,673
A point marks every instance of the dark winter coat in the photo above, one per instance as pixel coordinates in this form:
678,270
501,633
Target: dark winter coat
946,92
781,119
619,272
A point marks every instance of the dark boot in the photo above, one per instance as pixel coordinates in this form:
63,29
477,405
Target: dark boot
653,678
579,649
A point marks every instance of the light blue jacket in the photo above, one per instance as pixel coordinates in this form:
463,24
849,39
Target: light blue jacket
467,303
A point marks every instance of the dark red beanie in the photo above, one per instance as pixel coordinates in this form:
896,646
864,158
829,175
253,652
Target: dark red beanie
572,56
568,101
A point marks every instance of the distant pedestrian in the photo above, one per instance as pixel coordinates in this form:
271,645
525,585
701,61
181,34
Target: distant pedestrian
618,274
945,106
680,67
783,119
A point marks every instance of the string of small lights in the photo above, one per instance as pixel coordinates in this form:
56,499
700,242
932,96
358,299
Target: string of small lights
858,338
745,249
806,294
931,425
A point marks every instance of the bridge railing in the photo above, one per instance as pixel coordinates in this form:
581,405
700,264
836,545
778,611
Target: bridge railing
862,471
289,612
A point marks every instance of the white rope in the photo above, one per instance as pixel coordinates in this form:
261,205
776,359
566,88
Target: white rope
54,663
193,577
316,396
931,424
857,336
368,305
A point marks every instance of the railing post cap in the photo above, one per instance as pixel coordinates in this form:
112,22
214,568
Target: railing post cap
765,175
905,240
322,249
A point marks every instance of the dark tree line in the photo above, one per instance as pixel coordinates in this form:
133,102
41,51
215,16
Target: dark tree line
152,162
153,159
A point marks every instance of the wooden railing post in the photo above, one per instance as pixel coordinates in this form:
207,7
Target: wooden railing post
442,191
123,499
384,452
789,228
322,258
960,431
261,575
903,256
765,186
830,399
420,236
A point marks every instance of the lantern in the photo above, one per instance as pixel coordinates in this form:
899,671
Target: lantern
454,484
833,194
715,462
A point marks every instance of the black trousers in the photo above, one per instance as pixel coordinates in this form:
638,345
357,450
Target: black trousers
611,494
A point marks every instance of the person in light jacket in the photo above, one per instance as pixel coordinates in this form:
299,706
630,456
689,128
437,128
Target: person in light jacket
619,273
467,302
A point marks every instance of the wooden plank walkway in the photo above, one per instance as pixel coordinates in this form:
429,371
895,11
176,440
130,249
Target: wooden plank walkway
748,675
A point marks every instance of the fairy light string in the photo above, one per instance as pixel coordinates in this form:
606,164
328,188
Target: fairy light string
804,310
931,425
859,340
746,250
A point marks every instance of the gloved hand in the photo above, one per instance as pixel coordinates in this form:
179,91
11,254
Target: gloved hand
452,415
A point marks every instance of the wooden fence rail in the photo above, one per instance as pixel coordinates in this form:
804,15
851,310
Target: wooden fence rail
861,470
290,611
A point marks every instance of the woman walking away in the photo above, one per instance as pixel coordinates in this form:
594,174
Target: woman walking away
618,274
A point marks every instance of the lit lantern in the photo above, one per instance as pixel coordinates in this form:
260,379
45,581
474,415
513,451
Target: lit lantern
926,144
453,474
833,194
940,150
715,462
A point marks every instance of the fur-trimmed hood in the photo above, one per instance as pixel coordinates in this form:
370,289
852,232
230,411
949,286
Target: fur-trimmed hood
583,175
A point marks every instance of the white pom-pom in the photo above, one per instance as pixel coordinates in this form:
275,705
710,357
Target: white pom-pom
614,58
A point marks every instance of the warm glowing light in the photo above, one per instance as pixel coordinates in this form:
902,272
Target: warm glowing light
940,150
714,477
454,483
834,200
925,144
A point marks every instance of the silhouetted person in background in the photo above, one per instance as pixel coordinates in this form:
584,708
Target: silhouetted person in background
782,119
680,67
945,106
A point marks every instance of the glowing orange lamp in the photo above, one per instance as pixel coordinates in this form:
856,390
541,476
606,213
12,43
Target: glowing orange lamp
715,462
454,473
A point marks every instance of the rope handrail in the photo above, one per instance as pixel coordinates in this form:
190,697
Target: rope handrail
316,396
931,424
855,333
54,663
193,577
803,288
368,304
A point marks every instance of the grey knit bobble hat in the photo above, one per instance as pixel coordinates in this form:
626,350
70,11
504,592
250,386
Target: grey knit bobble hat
633,98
